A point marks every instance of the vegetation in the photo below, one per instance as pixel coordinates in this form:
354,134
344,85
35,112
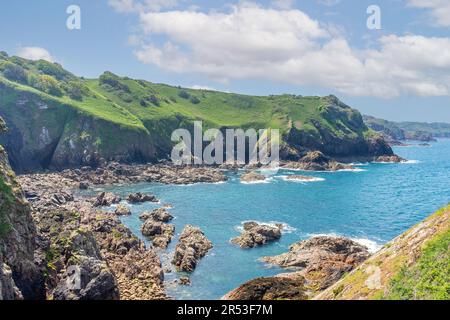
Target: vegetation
429,278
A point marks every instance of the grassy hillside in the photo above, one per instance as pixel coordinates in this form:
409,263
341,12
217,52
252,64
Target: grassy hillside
54,113
415,265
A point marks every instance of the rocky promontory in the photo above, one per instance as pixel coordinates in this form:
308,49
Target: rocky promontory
192,246
156,227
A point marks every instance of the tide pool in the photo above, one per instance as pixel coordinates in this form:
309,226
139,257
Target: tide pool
372,205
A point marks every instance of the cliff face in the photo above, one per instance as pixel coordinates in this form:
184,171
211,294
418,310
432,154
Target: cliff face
57,120
19,275
415,265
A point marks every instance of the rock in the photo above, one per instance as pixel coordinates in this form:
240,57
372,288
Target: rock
255,234
105,199
159,233
139,198
185,281
321,260
122,210
83,185
192,246
159,214
252,177
272,288
316,161
390,159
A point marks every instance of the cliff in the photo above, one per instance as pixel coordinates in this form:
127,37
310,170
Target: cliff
415,265
58,120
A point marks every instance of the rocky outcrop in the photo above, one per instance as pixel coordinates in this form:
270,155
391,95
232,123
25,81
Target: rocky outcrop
321,260
122,210
272,288
255,234
316,161
105,199
192,246
20,275
390,159
252,177
140,198
160,214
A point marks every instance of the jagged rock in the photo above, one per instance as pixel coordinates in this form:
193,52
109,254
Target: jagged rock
122,210
252,177
316,161
105,199
139,198
272,288
192,246
321,260
255,234
185,281
159,214
159,233
8,288
83,185
390,159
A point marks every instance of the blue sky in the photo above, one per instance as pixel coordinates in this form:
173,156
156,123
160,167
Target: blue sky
307,47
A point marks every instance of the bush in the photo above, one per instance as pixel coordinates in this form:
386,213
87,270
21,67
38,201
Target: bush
183,94
154,99
13,72
195,100
46,83
53,69
113,81
75,90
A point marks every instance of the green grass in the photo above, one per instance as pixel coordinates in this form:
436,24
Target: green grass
7,200
429,278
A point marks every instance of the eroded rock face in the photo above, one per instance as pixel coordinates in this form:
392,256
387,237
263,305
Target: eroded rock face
139,198
252,177
255,234
321,260
19,274
272,288
192,246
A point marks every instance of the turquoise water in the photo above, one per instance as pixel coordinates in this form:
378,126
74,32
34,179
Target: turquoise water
373,204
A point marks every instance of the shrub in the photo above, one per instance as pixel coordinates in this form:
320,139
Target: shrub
183,94
75,90
53,69
46,83
13,72
154,99
113,81
195,100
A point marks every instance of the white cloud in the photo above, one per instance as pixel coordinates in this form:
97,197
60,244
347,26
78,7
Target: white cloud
439,10
253,42
34,53
283,4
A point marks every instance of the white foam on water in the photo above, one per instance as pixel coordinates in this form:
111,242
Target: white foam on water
371,245
267,180
284,230
411,162
313,179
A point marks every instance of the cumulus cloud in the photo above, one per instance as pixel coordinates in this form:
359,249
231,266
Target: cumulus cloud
283,4
253,42
34,53
439,10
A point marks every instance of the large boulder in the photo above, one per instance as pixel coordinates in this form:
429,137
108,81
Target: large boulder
159,214
158,232
105,199
252,177
192,246
272,288
255,234
139,198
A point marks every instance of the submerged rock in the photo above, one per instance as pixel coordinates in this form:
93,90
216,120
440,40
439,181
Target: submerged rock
252,177
192,246
255,234
272,288
321,260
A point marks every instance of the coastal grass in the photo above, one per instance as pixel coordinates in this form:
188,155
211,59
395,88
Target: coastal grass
429,277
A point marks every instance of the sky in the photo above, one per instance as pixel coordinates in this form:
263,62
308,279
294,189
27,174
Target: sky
400,71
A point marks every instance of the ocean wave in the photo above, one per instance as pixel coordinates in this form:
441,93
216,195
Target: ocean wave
267,180
411,162
307,179
286,228
371,245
